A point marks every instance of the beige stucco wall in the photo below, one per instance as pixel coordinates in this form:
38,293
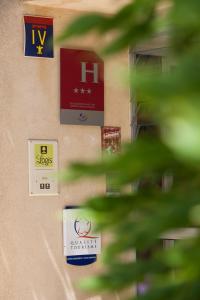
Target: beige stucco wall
31,250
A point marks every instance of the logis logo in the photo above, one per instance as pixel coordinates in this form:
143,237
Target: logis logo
83,228
43,155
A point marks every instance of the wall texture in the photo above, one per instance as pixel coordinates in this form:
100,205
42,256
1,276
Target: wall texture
31,250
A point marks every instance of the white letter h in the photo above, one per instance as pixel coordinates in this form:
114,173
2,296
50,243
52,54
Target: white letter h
84,72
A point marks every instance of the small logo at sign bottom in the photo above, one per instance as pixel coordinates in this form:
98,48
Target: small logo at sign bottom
83,117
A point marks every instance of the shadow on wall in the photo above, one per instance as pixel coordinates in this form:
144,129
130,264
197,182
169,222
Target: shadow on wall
64,279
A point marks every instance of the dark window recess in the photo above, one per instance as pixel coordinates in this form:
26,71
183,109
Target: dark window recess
145,285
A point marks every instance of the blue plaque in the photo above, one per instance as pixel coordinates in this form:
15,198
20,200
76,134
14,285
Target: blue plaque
38,36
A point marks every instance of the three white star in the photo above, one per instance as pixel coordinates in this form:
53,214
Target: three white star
76,91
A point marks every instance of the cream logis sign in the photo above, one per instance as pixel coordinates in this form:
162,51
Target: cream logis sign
43,167
79,237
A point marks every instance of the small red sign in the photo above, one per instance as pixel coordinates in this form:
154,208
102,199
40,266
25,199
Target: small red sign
111,139
82,87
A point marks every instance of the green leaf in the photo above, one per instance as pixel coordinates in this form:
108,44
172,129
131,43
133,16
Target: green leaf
82,25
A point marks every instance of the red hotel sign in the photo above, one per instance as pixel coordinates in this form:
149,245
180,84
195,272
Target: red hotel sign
82,88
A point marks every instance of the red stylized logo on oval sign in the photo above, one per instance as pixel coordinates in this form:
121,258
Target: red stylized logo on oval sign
83,228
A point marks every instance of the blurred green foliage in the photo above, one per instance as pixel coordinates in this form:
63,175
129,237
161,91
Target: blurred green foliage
139,218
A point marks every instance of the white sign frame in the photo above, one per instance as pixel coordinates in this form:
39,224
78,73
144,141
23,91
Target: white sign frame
74,244
47,175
